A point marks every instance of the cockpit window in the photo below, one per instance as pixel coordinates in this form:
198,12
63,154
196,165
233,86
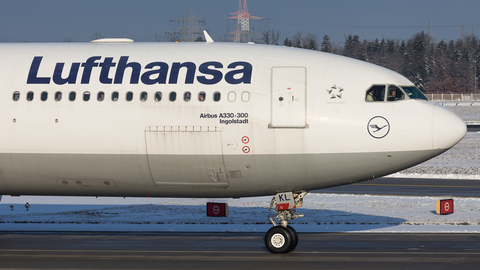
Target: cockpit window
375,93
394,93
414,93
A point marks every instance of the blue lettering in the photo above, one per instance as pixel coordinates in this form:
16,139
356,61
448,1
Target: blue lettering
122,65
217,75
72,76
246,71
176,68
210,73
162,73
87,68
32,74
106,65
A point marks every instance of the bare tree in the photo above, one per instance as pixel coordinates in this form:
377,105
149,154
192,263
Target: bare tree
270,36
96,36
158,37
310,42
173,37
337,48
297,40
68,39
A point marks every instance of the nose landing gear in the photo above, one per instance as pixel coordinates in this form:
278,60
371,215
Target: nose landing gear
283,238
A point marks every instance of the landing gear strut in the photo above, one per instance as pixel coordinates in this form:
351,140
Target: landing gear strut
283,238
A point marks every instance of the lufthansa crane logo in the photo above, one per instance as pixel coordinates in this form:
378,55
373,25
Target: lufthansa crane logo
378,127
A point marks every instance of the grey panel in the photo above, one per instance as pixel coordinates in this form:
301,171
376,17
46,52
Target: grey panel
186,157
36,174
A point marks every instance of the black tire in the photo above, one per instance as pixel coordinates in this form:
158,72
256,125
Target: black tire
294,237
278,240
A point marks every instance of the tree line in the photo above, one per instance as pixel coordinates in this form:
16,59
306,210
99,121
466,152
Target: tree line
433,66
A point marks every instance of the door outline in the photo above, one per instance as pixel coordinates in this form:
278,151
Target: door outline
186,156
288,97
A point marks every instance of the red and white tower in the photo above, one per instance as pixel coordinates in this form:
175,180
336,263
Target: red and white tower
242,32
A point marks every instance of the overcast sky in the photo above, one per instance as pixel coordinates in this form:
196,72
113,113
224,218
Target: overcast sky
56,20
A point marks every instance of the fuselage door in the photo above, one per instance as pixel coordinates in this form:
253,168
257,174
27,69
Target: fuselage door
288,97
186,156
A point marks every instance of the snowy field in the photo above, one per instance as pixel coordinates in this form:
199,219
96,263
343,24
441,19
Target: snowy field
469,111
323,212
460,162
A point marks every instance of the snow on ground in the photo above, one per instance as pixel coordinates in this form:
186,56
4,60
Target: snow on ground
468,111
323,212
460,162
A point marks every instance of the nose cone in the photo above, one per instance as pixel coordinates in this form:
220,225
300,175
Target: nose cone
447,129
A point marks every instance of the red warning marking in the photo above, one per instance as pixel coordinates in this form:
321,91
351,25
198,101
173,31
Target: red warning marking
282,206
285,206
246,149
245,139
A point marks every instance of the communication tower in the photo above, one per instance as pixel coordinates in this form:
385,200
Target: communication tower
191,28
242,17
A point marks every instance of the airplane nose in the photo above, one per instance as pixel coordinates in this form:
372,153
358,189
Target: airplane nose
447,128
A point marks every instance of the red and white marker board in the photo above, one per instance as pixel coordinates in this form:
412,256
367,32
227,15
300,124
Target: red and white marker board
445,207
217,209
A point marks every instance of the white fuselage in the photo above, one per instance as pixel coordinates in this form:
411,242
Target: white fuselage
274,119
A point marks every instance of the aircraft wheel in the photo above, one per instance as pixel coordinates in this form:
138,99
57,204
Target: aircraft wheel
279,240
294,237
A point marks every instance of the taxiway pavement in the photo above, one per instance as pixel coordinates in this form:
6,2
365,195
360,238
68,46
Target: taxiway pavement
410,187
103,250
237,251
